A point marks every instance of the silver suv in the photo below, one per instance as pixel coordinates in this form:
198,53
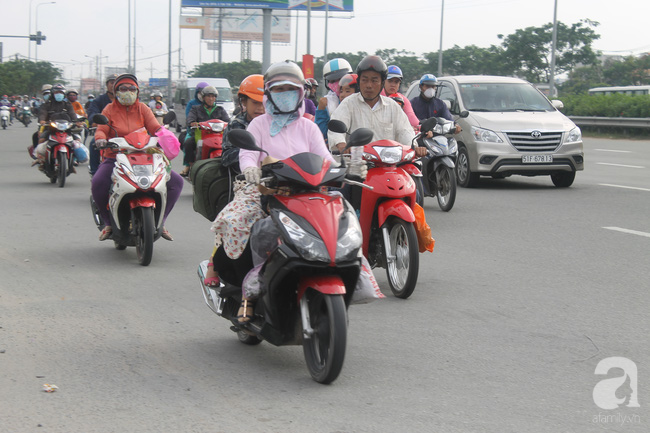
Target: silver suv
512,128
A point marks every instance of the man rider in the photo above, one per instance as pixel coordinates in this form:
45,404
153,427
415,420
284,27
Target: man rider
91,98
426,104
200,113
96,107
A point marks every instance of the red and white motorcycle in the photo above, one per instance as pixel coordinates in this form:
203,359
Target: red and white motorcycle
138,195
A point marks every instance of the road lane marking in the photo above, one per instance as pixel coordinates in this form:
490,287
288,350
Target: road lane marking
632,232
626,187
620,165
612,150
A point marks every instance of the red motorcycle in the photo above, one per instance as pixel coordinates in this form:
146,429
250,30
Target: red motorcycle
312,265
386,210
209,144
60,149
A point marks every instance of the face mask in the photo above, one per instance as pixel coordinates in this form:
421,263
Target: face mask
46,97
430,93
127,98
334,87
58,97
286,101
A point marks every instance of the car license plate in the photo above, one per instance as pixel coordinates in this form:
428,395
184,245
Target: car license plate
536,159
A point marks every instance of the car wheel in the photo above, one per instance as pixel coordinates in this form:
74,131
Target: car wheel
563,179
464,174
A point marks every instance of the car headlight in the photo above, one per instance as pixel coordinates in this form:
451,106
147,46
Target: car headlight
389,155
309,246
349,240
485,135
574,135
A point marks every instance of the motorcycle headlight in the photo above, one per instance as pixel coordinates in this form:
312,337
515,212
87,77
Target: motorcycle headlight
389,155
485,135
349,240
573,136
217,127
309,246
62,125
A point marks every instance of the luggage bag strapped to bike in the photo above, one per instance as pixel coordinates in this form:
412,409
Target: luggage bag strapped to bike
212,187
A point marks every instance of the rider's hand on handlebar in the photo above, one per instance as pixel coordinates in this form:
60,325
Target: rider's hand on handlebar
428,134
194,124
357,169
101,143
458,129
421,151
253,175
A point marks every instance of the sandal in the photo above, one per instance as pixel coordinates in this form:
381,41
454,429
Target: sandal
106,233
211,281
166,235
246,310
185,172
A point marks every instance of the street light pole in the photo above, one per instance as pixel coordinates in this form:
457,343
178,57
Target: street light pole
29,42
36,25
442,20
551,87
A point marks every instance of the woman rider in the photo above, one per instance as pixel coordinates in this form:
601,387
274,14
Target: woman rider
126,114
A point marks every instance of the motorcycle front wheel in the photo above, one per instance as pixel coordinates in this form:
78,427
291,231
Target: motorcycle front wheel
62,168
325,350
403,267
446,193
144,232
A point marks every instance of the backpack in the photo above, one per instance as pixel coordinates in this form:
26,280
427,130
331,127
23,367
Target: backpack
212,187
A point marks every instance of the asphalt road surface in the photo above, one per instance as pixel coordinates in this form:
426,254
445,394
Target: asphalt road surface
528,289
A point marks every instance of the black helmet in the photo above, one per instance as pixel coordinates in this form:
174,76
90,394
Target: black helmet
373,63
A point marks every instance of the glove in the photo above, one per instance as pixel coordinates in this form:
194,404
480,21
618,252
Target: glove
253,175
101,143
358,169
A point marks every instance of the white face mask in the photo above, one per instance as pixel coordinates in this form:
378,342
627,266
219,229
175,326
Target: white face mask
430,93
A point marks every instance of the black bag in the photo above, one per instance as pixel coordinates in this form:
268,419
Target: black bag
212,187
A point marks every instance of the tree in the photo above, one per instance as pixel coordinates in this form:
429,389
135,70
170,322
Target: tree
470,60
24,77
528,51
235,72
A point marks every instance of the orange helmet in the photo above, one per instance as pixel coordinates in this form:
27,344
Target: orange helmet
253,87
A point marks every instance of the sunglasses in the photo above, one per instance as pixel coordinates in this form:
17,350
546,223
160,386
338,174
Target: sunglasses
125,88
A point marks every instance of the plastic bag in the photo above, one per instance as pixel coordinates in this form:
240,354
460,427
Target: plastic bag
425,240
169,143
367,289
81,152
264,239
252,284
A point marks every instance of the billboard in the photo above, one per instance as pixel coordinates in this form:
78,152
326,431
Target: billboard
316,5
191,22
246,25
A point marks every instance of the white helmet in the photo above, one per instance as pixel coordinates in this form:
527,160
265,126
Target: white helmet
335,69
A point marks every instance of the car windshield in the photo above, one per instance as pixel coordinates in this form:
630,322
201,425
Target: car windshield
501,97
225,95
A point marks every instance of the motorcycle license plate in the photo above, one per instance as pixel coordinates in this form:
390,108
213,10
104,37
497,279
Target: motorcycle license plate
536,159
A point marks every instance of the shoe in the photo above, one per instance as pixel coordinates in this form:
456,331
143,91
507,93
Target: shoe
211,281
166,235
185,171
106,233
246,311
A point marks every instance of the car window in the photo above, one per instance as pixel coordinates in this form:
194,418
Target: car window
503,97
447,91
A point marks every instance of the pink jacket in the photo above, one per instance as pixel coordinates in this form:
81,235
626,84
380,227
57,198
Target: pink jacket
408,110
302,135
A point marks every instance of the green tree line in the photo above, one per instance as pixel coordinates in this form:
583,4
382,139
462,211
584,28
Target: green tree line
24,77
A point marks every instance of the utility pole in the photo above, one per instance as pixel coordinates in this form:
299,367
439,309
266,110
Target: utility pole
551,87
442,20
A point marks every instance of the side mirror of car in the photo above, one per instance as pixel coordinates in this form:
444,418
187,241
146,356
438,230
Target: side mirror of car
557,104
464,114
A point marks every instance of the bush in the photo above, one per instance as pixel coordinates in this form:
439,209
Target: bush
617,105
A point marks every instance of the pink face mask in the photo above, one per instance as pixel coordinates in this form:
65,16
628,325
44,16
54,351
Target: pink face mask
334,87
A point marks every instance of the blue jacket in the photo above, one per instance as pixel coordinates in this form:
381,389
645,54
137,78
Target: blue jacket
98,105
434,107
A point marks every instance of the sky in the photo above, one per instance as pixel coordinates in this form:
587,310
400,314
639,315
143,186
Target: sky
80,31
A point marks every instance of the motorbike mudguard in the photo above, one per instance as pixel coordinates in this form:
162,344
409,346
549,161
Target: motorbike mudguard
396,208
142,202
62,148
445,160
326,284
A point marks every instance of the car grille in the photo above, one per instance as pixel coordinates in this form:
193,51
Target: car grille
535,141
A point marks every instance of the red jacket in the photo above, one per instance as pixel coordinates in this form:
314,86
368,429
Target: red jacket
126,119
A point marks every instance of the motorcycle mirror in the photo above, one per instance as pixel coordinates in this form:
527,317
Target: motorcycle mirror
428,124
169,117
360,137
337,126
244,140
464,114
100,119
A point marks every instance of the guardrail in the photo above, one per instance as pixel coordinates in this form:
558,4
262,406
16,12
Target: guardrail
615,122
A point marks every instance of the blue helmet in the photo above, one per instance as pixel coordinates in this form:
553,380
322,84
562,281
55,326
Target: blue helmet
394,72
428,79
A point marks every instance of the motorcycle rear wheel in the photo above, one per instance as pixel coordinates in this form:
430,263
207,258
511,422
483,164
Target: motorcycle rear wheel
402,272
247,338
325,350
446,193
62,168
144,232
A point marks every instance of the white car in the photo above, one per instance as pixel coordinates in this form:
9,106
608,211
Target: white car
512,128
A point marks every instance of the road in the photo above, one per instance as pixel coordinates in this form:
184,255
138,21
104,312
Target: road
528,289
